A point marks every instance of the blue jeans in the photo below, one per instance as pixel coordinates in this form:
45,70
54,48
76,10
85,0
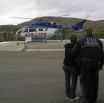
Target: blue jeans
70,87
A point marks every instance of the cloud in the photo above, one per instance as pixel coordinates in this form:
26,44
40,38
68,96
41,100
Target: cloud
35,8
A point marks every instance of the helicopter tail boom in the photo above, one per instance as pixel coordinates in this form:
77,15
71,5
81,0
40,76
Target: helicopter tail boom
79,25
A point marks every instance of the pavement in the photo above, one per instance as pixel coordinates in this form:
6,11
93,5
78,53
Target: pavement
50,44
42,50
12,46
32,46
36,77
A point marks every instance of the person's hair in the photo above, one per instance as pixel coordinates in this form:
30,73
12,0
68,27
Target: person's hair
73,39
88,30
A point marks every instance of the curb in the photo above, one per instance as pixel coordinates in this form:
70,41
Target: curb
44,50
23,48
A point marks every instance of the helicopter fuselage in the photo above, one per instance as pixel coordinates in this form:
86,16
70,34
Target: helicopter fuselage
46,29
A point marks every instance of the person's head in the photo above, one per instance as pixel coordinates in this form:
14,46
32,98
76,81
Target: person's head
73,39
87,31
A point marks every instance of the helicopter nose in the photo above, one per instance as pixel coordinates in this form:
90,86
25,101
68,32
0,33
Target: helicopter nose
16,33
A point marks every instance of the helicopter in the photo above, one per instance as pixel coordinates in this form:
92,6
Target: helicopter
46,29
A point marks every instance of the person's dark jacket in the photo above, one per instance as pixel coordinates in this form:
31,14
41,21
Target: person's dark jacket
69,59
89,47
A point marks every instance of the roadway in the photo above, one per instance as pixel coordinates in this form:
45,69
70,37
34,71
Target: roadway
35,77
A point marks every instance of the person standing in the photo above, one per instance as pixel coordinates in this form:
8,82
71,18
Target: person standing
70,70
90,52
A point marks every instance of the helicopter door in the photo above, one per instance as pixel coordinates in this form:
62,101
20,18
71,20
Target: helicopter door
41,32
32,32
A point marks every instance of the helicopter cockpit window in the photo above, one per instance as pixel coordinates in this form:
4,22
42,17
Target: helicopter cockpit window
32,29
19,31
25,30
40,29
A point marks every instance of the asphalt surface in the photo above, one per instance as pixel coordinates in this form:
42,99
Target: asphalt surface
36,77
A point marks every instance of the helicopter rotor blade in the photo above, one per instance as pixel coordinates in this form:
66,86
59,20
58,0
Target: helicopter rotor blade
33,18
21,18
66,15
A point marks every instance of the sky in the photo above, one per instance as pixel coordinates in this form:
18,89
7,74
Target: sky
94,9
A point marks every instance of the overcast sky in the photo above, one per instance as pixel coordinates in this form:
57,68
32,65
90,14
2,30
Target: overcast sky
37,8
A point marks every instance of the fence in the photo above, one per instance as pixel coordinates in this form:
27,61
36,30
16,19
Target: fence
58,36
66,36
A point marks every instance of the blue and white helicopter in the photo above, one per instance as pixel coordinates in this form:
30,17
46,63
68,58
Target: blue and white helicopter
46,29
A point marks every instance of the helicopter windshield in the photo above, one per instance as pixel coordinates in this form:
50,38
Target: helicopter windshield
25,30
19,31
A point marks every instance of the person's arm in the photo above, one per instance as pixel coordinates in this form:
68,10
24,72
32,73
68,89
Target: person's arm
102,57
76,49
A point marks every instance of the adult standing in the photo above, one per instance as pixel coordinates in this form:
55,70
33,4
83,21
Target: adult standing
70,70
90,52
